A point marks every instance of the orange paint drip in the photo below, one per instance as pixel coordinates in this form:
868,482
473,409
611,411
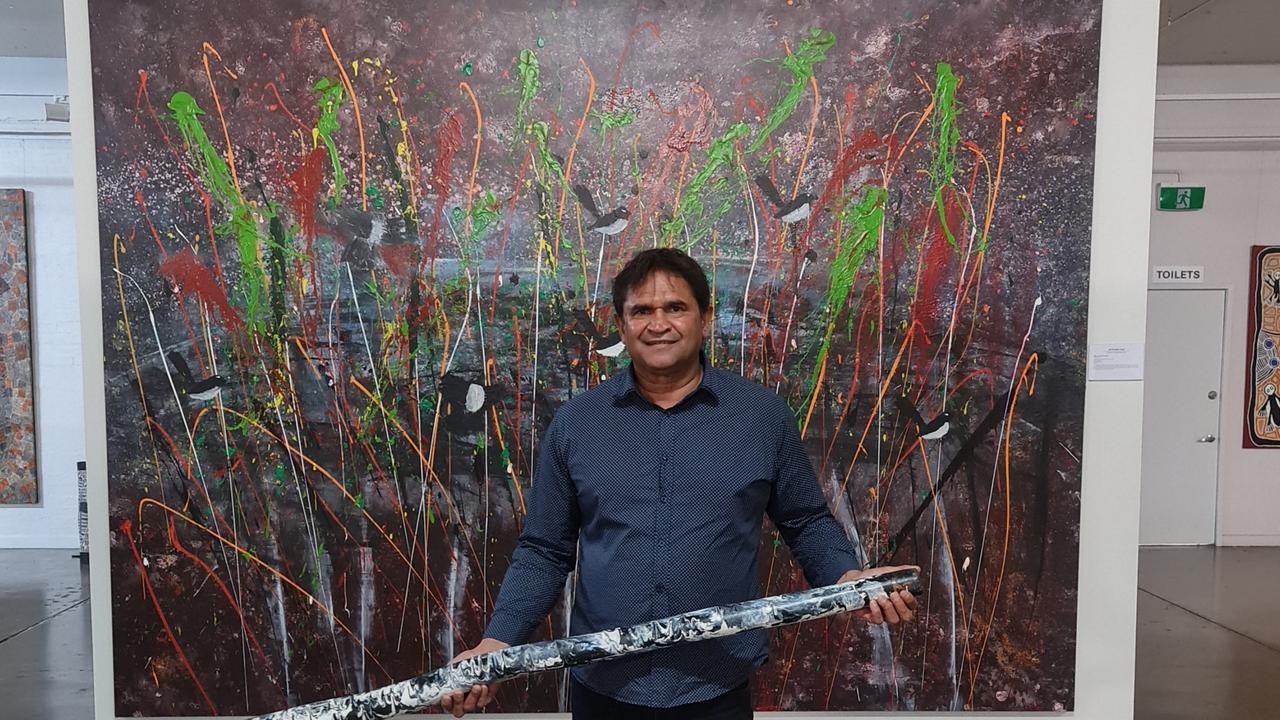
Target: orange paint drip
573,148
355,104
991,201
475,159
126,528
808,143
226,136
244,552
1033,362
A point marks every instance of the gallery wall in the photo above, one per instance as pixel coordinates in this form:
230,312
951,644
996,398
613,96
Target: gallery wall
1220,127
1112,415
35,155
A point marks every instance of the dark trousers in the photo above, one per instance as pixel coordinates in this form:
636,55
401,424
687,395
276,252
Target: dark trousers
588,704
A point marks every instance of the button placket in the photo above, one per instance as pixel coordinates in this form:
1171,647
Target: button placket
664,513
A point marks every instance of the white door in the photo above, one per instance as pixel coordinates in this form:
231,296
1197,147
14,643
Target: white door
1181,413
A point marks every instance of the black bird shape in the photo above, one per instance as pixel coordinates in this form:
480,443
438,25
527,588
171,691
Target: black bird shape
1272,409
1274,283
610,345
935,429
206,389
790,211
610,224
467,402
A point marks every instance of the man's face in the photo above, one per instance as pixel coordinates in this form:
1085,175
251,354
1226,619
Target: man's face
661,323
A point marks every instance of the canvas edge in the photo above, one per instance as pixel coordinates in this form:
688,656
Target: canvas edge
1112,461
85,198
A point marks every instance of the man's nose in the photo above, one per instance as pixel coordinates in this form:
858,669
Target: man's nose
659,323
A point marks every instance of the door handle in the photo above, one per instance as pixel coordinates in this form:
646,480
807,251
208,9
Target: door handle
1208,439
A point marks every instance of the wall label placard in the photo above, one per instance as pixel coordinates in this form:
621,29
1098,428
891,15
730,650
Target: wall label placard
1116,361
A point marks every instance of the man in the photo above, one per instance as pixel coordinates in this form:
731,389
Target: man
655,483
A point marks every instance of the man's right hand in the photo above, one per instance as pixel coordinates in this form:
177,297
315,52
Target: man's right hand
461,703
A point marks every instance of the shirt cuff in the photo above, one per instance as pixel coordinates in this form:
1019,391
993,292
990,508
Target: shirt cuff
833,567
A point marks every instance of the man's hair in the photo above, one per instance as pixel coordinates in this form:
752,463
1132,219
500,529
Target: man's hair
668,260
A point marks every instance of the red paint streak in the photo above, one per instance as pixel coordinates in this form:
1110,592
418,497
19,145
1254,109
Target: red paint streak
191,277
126,529
177,545
280,104
186,319
306,182
399,259
936,260
448,140
622,56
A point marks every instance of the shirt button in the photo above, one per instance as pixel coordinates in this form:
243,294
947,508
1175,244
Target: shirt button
660,589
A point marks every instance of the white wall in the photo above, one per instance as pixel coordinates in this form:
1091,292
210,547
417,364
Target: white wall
1220,127
1113,410
36,156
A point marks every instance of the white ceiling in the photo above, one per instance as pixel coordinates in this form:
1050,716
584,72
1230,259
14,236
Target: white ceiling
31,28
1217,32
1192,31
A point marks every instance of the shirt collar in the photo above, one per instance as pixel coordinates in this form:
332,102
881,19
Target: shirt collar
711,381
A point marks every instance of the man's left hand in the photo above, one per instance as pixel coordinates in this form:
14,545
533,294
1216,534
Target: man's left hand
893,608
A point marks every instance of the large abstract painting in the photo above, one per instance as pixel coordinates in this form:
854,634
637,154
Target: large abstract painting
1262,387
355,255
18,484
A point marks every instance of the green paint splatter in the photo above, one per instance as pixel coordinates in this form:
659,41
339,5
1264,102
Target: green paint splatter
467,69
527,73
216,175
691,209
548,164
811,51
375,196
329,97
861,222
945,139
484,214
541,42
613,120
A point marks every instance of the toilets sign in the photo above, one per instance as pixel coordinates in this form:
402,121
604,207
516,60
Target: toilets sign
1181,274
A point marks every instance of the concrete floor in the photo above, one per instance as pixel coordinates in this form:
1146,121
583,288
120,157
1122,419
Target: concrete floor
1208,636
46,668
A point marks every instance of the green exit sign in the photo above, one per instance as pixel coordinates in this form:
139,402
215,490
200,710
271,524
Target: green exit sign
1181,197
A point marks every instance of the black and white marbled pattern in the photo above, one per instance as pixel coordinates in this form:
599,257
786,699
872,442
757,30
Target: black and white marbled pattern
705,624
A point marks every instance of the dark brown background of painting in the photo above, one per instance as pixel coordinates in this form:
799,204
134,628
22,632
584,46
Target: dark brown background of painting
1036,61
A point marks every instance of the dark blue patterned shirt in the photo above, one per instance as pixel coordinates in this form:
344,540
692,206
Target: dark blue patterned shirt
666,506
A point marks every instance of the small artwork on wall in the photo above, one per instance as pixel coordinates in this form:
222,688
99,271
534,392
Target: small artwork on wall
17,398
1262,400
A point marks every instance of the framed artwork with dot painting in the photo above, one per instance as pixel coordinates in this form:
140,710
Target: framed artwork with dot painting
1262,387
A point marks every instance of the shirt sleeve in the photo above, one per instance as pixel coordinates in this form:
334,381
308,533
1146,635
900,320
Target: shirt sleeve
546,552
799,510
